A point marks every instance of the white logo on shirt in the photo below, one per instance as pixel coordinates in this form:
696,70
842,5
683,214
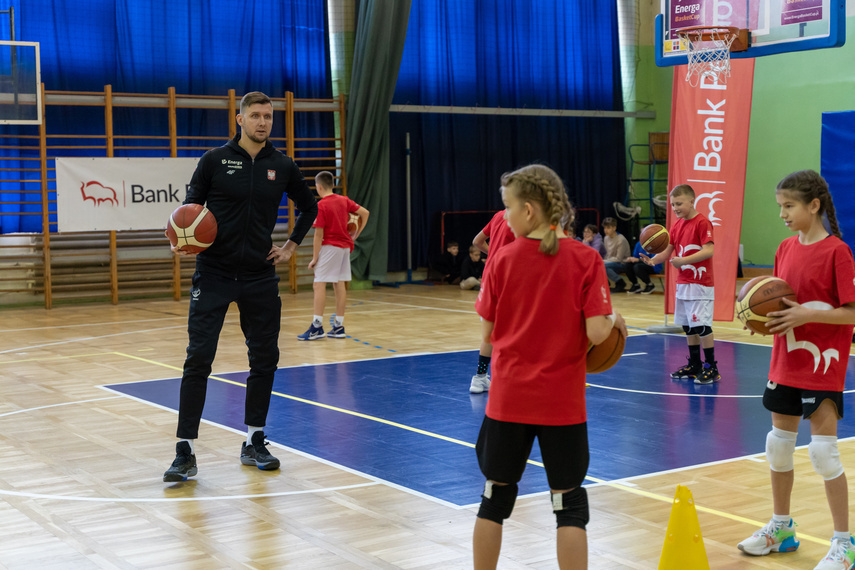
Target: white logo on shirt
828,355
684,251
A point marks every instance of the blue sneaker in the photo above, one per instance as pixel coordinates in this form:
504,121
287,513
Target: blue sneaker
314,333
337,332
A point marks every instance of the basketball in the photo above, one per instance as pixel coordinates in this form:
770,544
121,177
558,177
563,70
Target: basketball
654,239
191,228
759,297
603,356
353,223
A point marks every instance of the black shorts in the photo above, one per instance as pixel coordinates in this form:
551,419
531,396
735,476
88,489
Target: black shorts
504,447
797,401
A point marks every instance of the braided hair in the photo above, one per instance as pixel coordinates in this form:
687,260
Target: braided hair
808,185
541,185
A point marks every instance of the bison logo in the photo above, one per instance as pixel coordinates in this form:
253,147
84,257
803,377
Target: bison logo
98,193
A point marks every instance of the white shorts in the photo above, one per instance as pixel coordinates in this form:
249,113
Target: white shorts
333,264
693,312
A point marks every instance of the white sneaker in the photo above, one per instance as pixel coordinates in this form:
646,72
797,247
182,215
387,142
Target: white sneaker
774,537
841,555
479,384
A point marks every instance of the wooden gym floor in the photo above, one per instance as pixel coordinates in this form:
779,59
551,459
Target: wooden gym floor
80,481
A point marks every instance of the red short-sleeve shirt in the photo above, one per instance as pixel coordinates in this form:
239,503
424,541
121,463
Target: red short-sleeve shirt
538,304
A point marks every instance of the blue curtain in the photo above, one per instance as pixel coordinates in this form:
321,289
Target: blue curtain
535,54
200,47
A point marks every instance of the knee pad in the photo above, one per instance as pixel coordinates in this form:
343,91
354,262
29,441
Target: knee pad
686,329
694,330
825,457
571,508
706,331
780,446
497,502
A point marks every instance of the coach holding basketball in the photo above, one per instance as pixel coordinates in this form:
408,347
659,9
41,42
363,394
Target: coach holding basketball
242,183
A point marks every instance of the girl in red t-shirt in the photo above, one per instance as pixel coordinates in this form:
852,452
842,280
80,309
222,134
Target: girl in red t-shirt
543,298
808,368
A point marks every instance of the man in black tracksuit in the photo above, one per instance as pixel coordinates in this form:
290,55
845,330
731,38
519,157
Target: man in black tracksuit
242,184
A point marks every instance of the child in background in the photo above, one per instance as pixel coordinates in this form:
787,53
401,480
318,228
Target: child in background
810,354
617,250
448,264
591,237
472,270
499,234
331,255
538,386
692,237
634,269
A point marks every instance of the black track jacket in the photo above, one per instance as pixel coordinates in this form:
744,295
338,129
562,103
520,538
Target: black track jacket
244,196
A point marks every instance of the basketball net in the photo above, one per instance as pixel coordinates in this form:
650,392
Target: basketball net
708,53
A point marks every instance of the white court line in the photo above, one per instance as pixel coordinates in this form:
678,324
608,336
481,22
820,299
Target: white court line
472,312
56,405
674,393
181,499
87,338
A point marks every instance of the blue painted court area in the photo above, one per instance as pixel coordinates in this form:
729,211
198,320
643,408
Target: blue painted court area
411,421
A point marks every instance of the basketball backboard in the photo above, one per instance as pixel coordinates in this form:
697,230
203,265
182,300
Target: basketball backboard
776,26
20,83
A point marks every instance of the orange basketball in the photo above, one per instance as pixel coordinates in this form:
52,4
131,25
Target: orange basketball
654,238
759,297
603,356
353,223
192,228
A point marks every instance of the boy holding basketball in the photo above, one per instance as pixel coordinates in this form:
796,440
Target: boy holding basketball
692,238
331,254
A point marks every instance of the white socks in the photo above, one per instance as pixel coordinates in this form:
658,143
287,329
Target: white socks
339,321
251,430
317,320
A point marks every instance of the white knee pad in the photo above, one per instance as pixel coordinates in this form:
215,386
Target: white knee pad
825,457
780,446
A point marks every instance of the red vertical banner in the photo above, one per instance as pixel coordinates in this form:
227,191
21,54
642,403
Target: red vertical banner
708,151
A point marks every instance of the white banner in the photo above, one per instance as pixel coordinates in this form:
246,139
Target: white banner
99,194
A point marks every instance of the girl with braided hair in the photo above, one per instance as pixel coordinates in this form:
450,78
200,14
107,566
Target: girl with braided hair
543,298
809,359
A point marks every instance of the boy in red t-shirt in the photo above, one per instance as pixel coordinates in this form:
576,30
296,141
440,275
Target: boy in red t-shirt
808,368
331,254
692,238
499,233
538,386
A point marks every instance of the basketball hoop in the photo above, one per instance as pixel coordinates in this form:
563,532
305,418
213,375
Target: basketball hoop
709,49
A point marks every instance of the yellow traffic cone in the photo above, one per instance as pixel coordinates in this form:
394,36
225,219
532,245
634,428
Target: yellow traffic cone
684,545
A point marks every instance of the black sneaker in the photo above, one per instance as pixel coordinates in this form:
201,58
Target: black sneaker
620,287
648,289
687,372
636,288
709,374
257,454
184,465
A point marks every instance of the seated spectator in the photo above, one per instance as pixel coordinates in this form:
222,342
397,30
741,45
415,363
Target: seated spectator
617,250
634,268
591,237
448,264
471,270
